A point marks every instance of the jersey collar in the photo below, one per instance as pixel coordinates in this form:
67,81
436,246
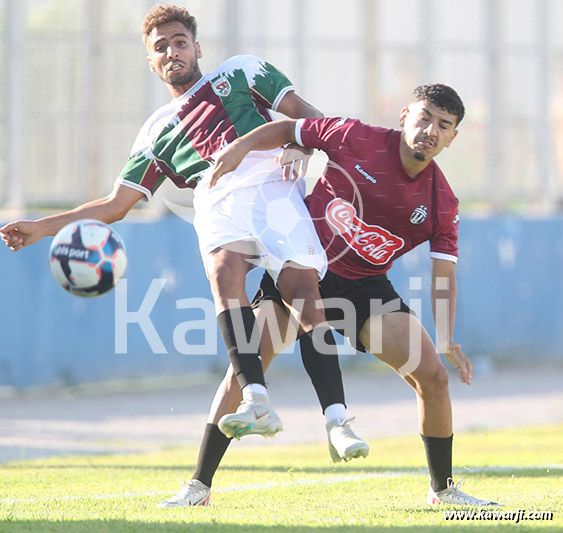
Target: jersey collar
192,90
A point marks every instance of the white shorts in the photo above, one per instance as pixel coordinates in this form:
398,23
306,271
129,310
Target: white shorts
271,220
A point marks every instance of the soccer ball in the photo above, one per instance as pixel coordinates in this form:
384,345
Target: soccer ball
87,258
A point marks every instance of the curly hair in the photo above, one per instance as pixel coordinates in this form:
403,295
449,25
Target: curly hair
441,96
163,14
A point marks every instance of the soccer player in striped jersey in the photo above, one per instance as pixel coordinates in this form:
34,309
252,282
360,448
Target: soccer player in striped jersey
381,195
178,142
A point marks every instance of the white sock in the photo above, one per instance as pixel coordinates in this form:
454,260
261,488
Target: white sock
251,389
336,411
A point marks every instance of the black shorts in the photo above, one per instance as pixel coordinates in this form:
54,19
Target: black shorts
359,299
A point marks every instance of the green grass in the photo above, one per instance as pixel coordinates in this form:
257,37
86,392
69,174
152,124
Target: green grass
287,489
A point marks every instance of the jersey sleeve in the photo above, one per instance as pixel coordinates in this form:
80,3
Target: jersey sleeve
268,84
443,242
327,134
142,171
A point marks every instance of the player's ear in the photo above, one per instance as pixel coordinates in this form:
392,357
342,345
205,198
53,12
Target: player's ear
151,66
454,135
197,47
403,116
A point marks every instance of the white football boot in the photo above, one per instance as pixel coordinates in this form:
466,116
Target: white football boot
343,443
453,496
254,416
193,493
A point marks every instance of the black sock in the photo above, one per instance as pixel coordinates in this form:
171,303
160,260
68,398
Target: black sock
213,446
439,459
323,368
246,364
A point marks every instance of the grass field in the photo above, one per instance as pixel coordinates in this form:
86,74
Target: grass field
287,489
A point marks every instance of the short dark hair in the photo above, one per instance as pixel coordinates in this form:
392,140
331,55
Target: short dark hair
163,14
441,96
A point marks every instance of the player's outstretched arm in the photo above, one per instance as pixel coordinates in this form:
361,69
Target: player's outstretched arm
444,289
114,207
266,137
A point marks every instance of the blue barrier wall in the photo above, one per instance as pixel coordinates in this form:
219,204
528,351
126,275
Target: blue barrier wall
510,302
510,286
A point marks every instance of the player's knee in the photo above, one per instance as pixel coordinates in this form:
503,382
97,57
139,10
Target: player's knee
313,312
440,378
298,282
435,380
305,297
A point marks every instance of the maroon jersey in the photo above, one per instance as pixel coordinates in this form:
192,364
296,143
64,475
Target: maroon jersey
367,210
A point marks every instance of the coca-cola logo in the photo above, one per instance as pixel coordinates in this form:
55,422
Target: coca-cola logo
373,243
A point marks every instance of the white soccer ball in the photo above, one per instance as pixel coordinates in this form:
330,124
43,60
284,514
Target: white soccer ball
87,258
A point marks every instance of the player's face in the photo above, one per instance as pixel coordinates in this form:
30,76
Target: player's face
174,55
427,129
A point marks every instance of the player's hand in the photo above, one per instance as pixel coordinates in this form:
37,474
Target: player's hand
294,160
21,233
227,160
461,362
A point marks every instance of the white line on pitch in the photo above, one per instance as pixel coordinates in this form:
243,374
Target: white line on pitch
261,486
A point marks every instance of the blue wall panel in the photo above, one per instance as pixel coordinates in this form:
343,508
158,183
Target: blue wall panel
510,286
510,302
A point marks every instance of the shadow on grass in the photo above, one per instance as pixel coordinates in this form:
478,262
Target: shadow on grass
122,526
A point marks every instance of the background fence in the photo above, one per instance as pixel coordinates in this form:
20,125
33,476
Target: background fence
76,88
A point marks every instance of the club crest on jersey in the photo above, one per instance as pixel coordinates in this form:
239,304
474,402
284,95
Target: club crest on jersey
221,87
419,214
372,243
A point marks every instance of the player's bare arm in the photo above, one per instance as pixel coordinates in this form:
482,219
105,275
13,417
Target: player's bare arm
444,287
293,106
295,158
110,209
266,137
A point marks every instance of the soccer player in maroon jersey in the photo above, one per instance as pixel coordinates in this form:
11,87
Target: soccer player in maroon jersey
381,195
178,142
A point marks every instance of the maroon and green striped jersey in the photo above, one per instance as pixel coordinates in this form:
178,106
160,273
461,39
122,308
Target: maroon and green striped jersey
178,140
